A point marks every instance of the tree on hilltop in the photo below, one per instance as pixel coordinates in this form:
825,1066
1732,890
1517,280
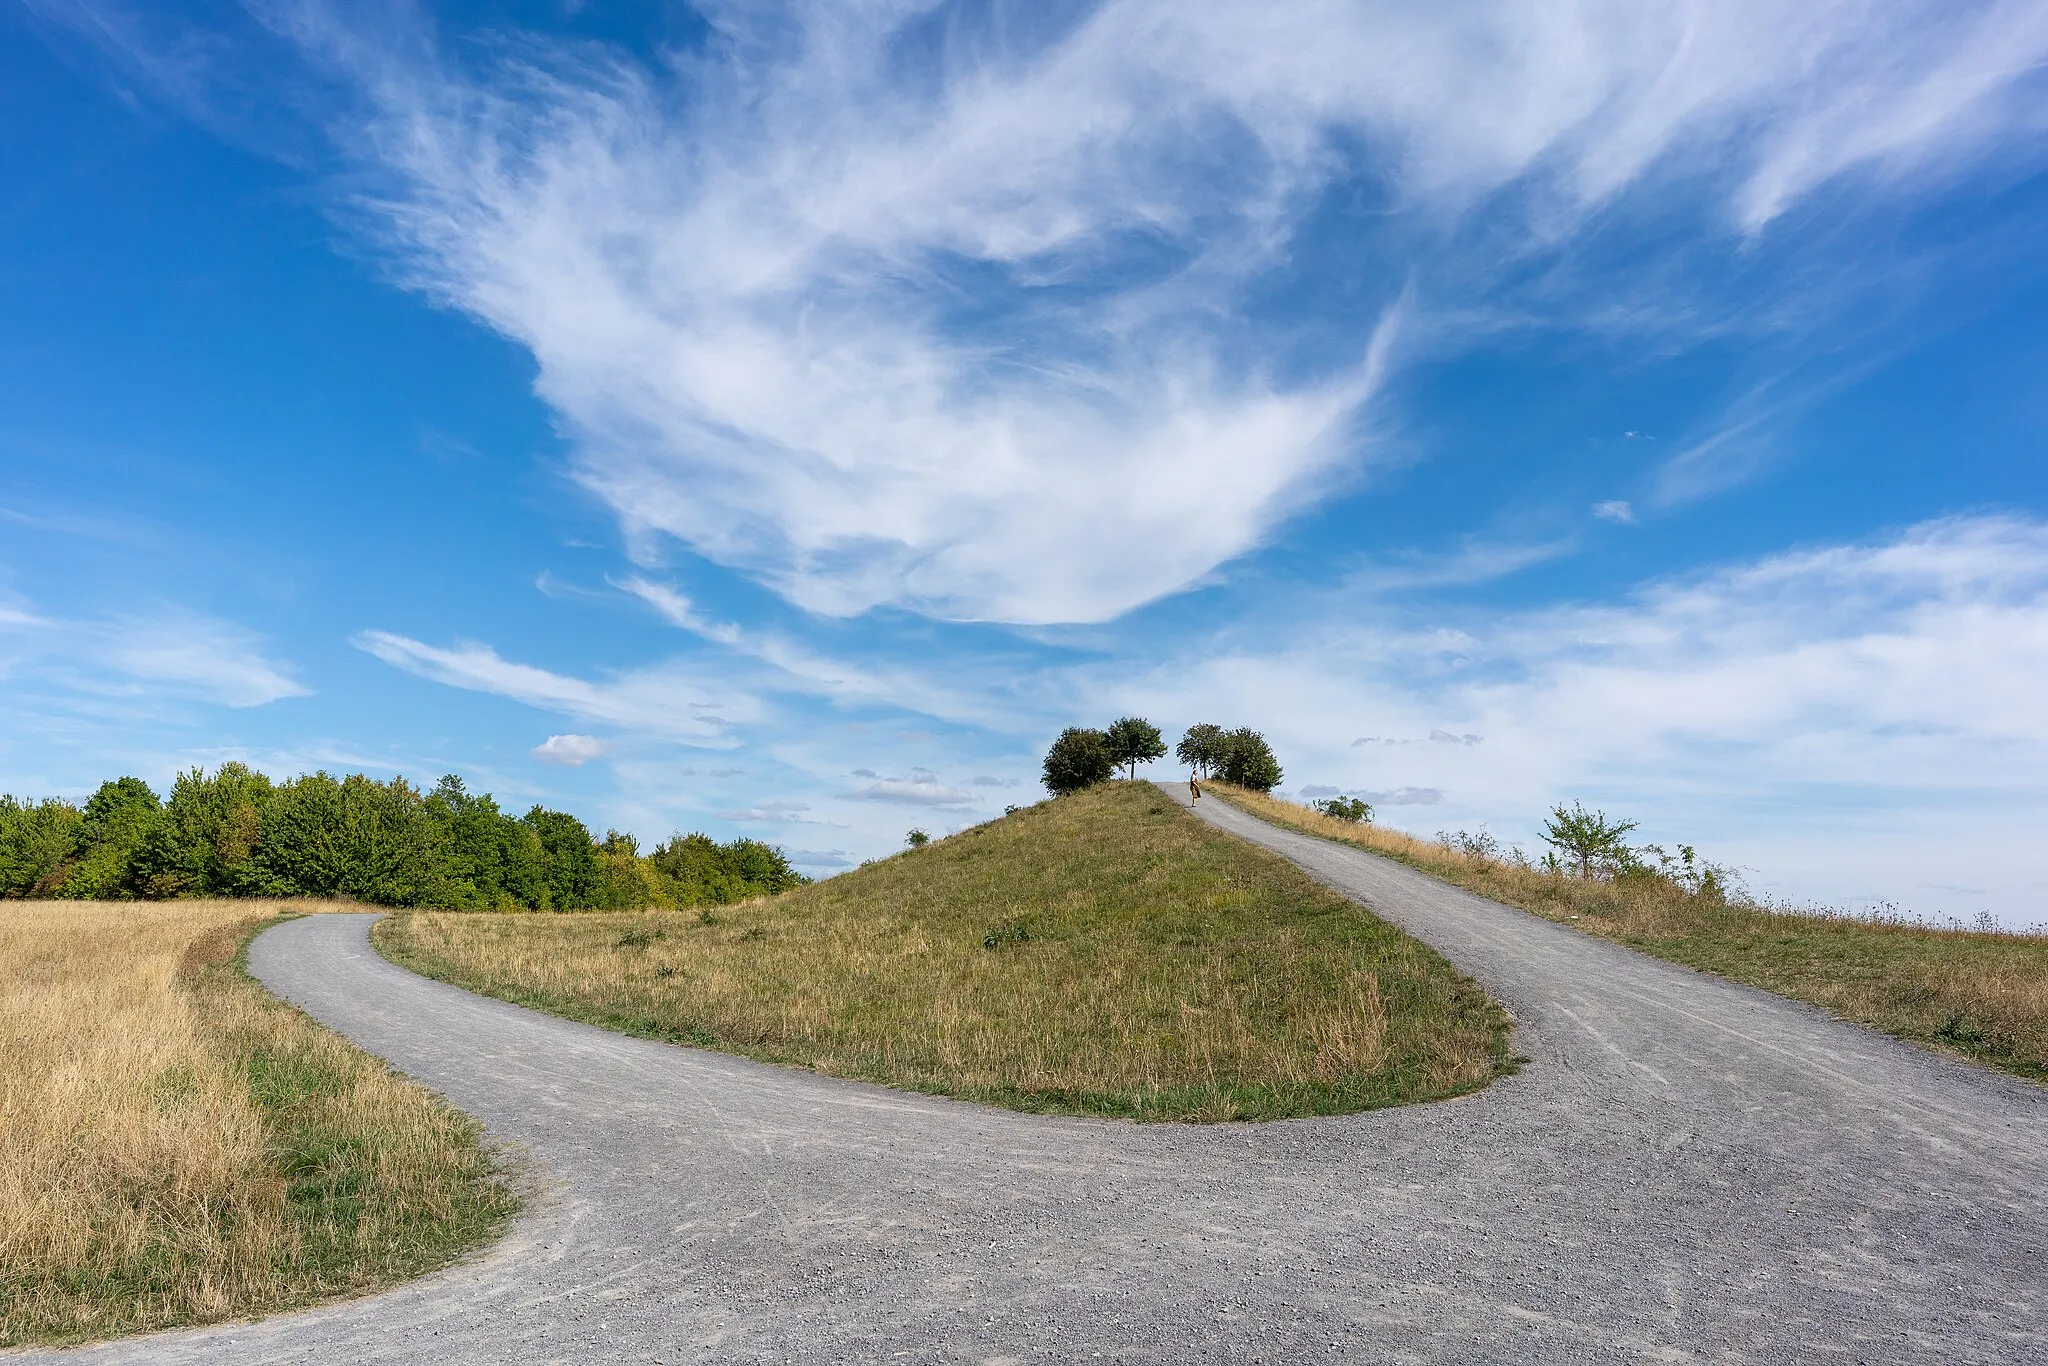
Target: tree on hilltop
1197,748
1079,758
1132,741
1243,757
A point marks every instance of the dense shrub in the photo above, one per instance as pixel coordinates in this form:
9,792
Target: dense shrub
118,818
35,839
1079,758
205,842
234,833
1243,757
352,837
702,872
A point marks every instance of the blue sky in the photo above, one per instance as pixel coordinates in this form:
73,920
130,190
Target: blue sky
782,419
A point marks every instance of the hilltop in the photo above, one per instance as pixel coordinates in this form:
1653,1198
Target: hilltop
1102,953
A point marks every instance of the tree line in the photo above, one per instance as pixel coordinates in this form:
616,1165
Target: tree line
235,833
1082,757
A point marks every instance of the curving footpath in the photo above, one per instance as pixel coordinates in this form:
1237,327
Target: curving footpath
1687,1171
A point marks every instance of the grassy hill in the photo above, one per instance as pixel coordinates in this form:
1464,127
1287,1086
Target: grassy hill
1981,994
1101,954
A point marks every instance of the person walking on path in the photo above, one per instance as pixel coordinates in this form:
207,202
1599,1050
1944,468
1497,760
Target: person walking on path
1194,789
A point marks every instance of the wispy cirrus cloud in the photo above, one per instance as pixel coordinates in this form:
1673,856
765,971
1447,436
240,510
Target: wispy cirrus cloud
171,653
671,703
972,318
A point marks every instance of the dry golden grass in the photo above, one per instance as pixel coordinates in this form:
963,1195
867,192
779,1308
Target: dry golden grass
1984,995
1103,954
177,1147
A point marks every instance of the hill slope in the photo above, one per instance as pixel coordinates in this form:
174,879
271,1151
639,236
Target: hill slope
1104,953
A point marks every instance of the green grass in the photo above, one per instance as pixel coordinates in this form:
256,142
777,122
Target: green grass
1979,995
1102,954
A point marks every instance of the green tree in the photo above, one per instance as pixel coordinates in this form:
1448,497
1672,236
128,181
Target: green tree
568,858
917,838
1243,757
1197,749
762,868
1079,758
1132,741
205,844
118,819
491,858
1589,839
354,837
37,841
697,871
702,872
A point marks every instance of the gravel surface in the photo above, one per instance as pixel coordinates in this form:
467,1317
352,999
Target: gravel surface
1687,1170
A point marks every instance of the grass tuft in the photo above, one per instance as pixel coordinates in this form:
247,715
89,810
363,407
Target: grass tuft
177,1147
1102,954
1982,994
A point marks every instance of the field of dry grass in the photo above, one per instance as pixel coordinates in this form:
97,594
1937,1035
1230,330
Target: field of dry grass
176,1147
1984,995
1100,954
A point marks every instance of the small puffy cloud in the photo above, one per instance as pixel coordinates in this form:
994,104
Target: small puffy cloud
865,773
1444,737
818,858
571,750
986,781
1318,790
1615,510
771,813
919,789
1405,796
724,772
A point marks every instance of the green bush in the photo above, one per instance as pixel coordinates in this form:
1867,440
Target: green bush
205,843
36,840
1350,809
1243,757
1079,758
353,837
118,820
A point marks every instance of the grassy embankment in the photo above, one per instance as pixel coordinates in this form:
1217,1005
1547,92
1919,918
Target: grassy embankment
177,1147
1984,995
1102,954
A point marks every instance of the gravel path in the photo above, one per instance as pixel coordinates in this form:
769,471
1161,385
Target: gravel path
1688,1170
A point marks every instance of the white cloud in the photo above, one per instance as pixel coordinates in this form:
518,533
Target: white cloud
173,653
1852,721
1615,510
571,750
752,304
772,813
668,702
818,858
919,789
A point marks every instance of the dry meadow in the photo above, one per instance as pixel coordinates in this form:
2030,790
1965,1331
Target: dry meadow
177,1147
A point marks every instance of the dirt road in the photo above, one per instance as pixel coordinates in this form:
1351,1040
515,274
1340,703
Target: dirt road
1687,1170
